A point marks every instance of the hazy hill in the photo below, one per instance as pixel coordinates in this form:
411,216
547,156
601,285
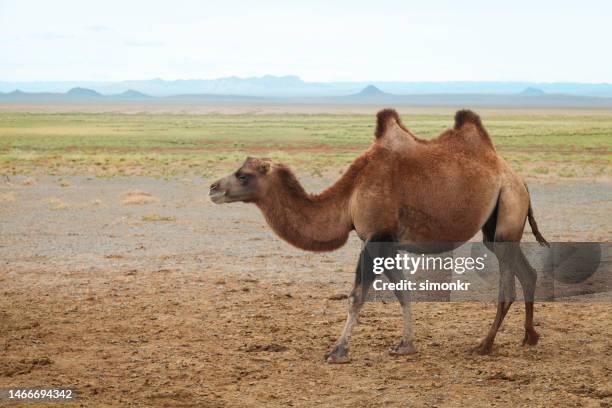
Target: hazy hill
132,94
371,91
83,93
532,91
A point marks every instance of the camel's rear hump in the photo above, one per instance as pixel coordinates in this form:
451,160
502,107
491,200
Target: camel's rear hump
467,117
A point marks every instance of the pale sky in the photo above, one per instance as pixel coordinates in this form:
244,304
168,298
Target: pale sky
317,40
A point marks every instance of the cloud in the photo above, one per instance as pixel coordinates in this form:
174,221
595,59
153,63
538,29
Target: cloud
98,28
136,43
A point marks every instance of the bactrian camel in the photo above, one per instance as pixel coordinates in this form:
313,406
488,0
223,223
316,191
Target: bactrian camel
403,189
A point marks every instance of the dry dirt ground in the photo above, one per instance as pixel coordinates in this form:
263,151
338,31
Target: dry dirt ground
140,292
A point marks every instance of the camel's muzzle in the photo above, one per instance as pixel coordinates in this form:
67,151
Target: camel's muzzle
216,196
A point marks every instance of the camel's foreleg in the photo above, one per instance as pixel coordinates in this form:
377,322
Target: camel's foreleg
405,345
363,280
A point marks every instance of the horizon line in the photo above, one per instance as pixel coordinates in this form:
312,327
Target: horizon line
307,81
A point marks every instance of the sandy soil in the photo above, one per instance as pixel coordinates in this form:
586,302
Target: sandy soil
140,292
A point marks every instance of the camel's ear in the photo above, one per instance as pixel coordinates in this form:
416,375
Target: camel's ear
384,120
263,167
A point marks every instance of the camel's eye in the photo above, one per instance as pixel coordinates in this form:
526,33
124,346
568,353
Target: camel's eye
242,178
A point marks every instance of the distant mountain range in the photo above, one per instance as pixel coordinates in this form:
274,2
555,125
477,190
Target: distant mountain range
369,95
293,86
76,94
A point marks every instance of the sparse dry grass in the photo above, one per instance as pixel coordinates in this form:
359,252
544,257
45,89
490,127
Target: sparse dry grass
137,197
153,217
114,256
541,170
28,182
57,203
8,197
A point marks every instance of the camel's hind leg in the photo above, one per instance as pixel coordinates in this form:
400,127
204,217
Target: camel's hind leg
506,296
405,345
528,277
502,234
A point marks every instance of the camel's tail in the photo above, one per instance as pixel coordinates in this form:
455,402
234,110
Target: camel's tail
534,225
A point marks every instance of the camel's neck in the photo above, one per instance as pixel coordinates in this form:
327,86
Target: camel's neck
312,222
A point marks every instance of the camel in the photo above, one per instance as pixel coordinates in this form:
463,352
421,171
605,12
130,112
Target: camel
403,189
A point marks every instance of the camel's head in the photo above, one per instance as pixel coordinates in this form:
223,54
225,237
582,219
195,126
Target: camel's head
246,184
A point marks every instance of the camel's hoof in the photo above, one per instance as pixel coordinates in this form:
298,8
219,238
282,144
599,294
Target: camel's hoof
483,348
531,338
404,348
337,355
